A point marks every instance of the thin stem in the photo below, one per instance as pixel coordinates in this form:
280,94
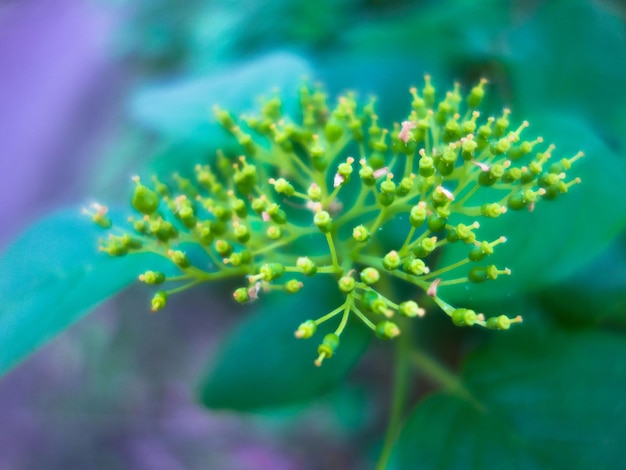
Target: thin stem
330,315
363,318
400,379
333,252
441,271
344,318
442,376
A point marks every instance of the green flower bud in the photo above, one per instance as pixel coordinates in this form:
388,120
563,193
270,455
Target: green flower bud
241,232
144,199
502,322
405,186
387,330
203,232
360,234
346,284
415,266
152,277
159,301
274,232
426,165
259,204
418,214
276,213
370,276
465,233
293,286
179,258
476,95
366,173
464,317
223,248
492,210
333,130
306,329
391,260
315,193
367,300
224,118
327,349
323,221
239,207
436,223
241,295
516,201
425,247
271,271
306,266
410,309
478,274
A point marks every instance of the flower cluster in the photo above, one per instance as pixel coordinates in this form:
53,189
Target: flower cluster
311,197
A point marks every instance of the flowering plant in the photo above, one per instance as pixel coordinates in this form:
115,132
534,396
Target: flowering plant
297,204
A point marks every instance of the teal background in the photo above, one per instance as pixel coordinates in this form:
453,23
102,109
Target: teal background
95,92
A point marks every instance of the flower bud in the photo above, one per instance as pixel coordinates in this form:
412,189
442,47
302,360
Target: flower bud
306,266
223,248
410,309
323,221
464,317
271,271
293,286
179,258
346,284
144,199
159,300
418,214
391,260
387,330
415,266
152,277
306,329
241,295
360,234
370,276
327,349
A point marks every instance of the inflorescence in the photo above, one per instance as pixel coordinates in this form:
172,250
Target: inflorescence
299,203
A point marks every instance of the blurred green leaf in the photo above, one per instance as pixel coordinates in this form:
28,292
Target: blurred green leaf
554,401
182,108
558,237
262,364
51,277
569,55
596,292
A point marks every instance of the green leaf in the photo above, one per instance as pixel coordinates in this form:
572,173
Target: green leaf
551,401
582,80
182,109
262,364
594,293
560,236
51,277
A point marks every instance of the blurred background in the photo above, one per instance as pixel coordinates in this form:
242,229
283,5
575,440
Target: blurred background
92,92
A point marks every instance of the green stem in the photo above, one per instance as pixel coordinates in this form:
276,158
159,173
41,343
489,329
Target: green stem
398,399
443,377
333,252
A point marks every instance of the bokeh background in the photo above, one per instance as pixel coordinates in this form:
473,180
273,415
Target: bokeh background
92,92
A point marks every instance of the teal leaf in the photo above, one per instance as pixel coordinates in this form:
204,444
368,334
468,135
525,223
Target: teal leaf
182,108
262,364
539,402
594,293
51,277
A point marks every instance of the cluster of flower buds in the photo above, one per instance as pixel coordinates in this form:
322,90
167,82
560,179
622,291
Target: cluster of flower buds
309,195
